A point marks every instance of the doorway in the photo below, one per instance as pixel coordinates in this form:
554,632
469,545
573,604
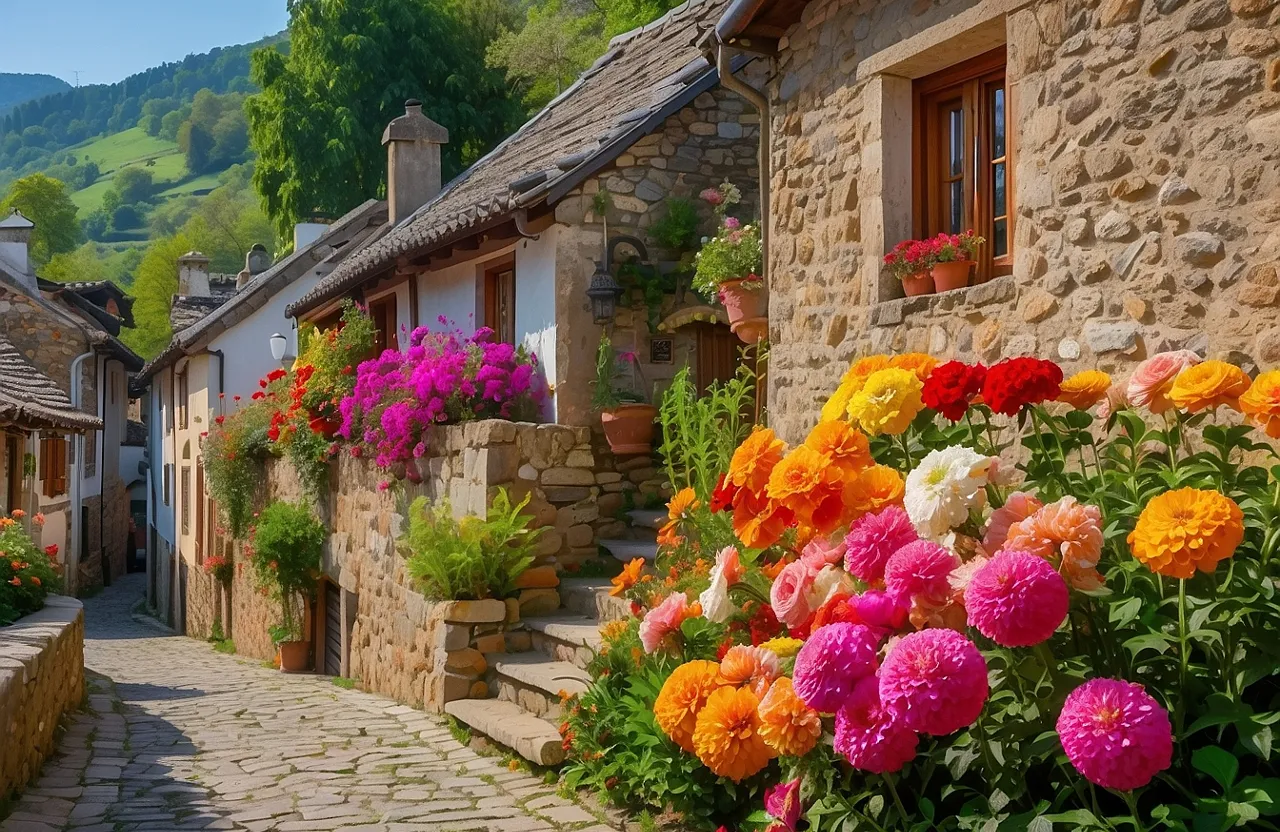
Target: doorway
717,354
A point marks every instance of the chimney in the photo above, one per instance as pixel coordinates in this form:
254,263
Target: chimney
15,240
256,262
193,275
413,161
306,233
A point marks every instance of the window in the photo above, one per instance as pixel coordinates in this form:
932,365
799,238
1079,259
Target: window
963,158
182,401
185,485
167,483
500,302
53,465
383,312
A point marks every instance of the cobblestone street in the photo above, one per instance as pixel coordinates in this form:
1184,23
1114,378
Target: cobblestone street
177,736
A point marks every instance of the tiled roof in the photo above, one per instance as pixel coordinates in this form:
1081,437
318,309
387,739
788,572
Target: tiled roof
188,310
646,75
135,434
32,400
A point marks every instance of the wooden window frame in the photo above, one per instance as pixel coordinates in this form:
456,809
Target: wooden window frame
183,396
969,82
53,466
499,291
166,483
184,495
382,309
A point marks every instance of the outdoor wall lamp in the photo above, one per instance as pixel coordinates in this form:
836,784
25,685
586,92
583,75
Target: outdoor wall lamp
604,292
279,344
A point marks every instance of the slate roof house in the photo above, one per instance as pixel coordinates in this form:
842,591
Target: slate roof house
1121,157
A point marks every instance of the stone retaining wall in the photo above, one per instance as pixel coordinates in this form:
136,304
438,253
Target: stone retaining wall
41,677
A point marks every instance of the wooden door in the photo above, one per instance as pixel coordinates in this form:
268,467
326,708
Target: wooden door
717,353
199,498
383,312
13,473
500,302
332,629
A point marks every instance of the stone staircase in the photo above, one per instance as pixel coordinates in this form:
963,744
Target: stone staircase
642,536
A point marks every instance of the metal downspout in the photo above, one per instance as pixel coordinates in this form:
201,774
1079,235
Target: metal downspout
73,551
724,57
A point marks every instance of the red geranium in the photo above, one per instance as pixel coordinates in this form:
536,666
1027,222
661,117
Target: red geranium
952,386
722,496
1016,383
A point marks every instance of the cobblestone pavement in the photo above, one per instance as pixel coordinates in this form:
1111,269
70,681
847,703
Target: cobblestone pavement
179,737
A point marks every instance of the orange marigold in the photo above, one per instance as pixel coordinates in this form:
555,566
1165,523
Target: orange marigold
1185,530
684,501
787,725
806,483
920,363
758,521
846,447
754,667
753,461
682,698
871,490
863,367
1207,385
629,577
1085,389
1261,403
727,735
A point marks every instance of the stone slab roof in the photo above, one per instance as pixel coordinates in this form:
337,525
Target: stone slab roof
32,400
645,76
135,434
187,310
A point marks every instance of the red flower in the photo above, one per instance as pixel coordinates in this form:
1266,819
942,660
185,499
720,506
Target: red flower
262,382
219,420
222,395
16,581
952,386
51,550
722,496
258,396
1016,383
276,375
764,625
233,398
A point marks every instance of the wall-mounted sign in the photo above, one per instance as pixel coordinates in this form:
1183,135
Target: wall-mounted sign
662,350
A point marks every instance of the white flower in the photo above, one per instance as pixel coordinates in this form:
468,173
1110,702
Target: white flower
831,579
716,606
943,487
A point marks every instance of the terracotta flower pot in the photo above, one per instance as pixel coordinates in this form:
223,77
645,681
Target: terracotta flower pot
629,428
751,330
953,275
742,303
920,283
294,656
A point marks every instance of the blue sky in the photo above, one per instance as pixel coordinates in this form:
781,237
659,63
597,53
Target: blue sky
107,40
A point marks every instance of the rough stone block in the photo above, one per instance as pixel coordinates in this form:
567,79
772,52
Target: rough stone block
492,643
539,577
473,612
468,660
568,476
538,602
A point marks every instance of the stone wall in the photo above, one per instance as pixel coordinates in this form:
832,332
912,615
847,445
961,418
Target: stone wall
1147,195
108,530
41,677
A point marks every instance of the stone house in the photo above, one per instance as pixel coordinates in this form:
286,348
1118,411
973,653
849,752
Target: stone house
222,325
1122,157
513,242
69,333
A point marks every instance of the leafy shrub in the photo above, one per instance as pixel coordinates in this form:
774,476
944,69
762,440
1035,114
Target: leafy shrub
220,568
234,450
286,549
677,228
470,559
605,392
735,253
27,574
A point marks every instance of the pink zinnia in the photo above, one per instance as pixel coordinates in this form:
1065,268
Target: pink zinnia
1115,734
935,681
873,539
1017,599
1018,507
782,802
790,593
663,620
920,569
868,736
1151,380
831,662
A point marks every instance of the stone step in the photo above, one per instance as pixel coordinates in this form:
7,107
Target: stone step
628,550
590,597
567,638
648,518
505,723
534,670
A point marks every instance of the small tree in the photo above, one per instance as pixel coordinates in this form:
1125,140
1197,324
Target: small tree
286,549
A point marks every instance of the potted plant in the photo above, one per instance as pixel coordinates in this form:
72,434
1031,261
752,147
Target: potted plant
728,267
910,262
953,257
286,548
626,417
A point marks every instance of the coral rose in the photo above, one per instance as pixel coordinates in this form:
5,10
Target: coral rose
873,539
842,444
753,461
682,697
818,553
1261,403
1017,599
1181,531
935,681
1085,389
754,667
887,402
920,569
831,662
1116,399
727,737
1065,532
806,483
1209,385
1016,383
868,736
789,595
1115,734
952,387
1018,507
1151,380
787,725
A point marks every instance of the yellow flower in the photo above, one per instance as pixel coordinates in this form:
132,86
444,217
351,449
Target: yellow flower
783,647
1261,403
837,406
888,402
1083,390
919,363
1185,530
727,736
1208,385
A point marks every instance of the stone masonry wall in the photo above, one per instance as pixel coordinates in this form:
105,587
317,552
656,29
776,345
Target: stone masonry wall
108,526
1147,196
41,677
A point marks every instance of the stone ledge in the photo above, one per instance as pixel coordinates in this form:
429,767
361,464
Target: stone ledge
504,722
24,640
894,312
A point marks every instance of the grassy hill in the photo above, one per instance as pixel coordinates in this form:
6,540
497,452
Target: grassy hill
129,148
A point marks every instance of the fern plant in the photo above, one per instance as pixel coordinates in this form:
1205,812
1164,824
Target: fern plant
700,433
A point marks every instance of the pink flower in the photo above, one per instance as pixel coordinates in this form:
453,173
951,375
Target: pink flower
831,662
1017,599
820,552
1068,534
1116,399
1151,380
935,681
790,593
782,802
1019,506
1115,734
882,609
867,734
729,564
663,620
873,538
920,569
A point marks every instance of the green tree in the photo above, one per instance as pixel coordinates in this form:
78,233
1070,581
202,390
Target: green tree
552,48
45,202
155,282
317,124
134,185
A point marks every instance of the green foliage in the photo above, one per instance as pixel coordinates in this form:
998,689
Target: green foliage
154,285
677,228
134,184
472,558
735,253
30,567
94,262
233,453
700,433
285,550
605,392
46,203
216,134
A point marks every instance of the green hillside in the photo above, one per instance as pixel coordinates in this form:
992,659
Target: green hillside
130,148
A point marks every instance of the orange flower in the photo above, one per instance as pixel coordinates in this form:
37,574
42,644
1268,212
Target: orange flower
669,537
1208,385
681,699
846,447
1261,403
16,581
1067,533
772,570
753,461
806,483
871,490
38,519
681,504
751,666
1185,530
18,514
863,367
788,726
920,363
630,577
758,521
727,735
1083,390
35,581
6,522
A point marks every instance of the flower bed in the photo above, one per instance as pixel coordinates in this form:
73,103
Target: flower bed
27,574
891,626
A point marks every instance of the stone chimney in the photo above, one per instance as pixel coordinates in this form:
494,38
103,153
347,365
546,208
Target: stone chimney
413,161
193,275
256,262
15,241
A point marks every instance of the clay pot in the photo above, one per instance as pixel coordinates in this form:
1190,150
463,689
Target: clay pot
294,656
739,303
629,428
954,275
751,330
920,283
